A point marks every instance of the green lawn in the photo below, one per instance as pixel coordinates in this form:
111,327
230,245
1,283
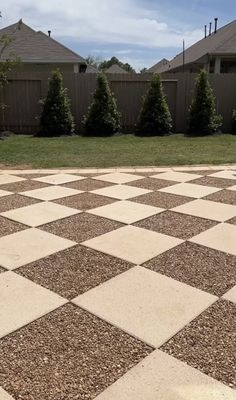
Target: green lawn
25,151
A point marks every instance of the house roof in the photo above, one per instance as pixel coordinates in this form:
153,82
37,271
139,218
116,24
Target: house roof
116,69
223,42
37,47
158,66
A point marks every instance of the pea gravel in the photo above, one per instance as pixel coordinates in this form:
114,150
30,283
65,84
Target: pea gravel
68,354
176,224
85,201
23,186
214,182
161,199
14,201
198,266
7,227
151,183
209,343
87,185
224,196
81,227
74,271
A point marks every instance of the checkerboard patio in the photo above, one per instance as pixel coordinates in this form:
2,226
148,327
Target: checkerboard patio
118,284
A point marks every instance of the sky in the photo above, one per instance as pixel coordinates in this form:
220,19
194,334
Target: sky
140,32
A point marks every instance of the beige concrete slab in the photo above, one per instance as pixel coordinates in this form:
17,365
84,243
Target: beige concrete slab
133,244
40,213
118,177
227,174
29,245
7,178
162,377
121,192
4,395
4,193
232,188
59,179
208,209
231,295
190,190
145,304
126,211
51,193
22,301
222,237
177,176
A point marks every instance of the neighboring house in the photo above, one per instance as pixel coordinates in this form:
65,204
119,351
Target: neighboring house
158,68
39,52
115,69
91,70
215,52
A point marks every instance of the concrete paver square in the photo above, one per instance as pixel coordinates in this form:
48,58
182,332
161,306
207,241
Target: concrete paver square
121,192
29,245
231,295
4,395
177,176
5,179
208,209
51,193
40,213
190,189
227,174
126,211
22,301
232,188
160,376
222,237
145,304
4,193
59,179
133,244
118,177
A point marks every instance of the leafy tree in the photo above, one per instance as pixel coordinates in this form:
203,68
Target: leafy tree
7,62
143,70
155,117
234,122
56,118
114,61
93,61
203,116
103,118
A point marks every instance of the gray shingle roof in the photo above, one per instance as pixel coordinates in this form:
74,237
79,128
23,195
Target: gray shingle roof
222,42
36,47
158,67
116,69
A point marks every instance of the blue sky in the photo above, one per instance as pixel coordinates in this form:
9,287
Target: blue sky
140,32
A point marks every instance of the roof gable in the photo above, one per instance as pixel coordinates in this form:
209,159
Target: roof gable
116,69
36,47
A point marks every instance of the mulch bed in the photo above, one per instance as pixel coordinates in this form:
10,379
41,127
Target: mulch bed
161,199
68,354
214,182
87,185
199,266
209,343
14,201
81,227
175,224
224,196
7,227
152,183
74,271
23,186
85,201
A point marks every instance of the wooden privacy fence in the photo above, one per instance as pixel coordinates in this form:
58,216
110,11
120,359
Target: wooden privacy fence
24,91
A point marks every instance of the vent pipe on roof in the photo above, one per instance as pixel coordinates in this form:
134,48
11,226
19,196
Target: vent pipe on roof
49,33
205,31
210,28
216,22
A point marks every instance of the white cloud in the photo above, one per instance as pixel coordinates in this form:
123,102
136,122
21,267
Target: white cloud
103,21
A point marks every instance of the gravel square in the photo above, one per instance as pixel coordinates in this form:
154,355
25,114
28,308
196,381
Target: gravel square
85,201
152,183
81,227
209,343
87,185
224,196
214,182
7,227
67,354
210,270
232,221
23,186
32,176
74,271
15,201
174,224
203,172
162,200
